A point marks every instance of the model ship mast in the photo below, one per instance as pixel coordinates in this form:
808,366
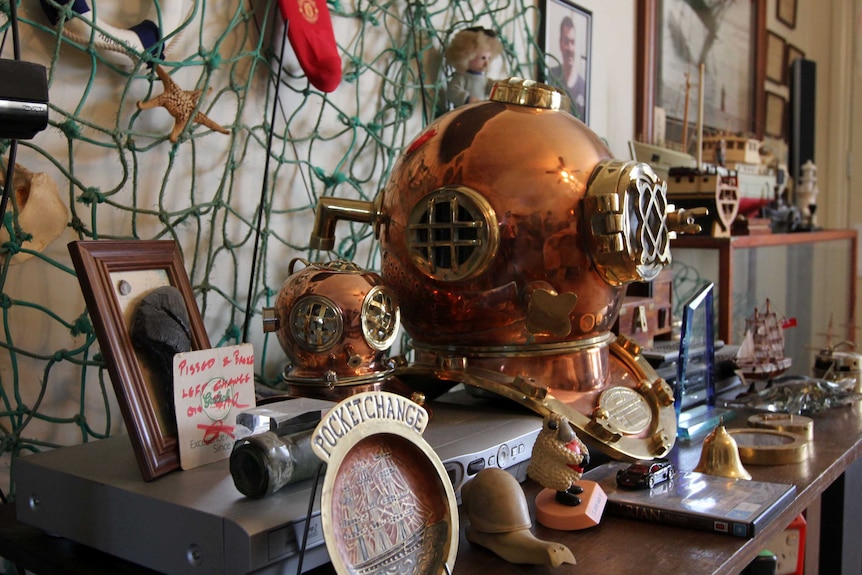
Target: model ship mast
704,186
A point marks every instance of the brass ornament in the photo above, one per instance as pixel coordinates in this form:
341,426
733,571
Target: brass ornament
629,235
770,447
789,422
529,93
335,322
378,465
720,456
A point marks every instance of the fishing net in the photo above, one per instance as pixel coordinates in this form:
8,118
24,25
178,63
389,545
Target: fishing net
239,214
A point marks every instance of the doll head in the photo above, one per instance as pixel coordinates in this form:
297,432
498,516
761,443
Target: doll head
473,49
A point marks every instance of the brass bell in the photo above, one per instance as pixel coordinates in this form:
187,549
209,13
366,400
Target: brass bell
720,456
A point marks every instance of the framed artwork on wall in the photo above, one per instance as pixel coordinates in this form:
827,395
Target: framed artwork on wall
776,112
793,53
674,37
785,12
115,275
566,40
775,54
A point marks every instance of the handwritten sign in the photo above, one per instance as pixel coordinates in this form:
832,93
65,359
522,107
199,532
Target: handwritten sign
210,387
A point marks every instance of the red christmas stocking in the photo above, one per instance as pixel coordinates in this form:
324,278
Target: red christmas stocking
309,29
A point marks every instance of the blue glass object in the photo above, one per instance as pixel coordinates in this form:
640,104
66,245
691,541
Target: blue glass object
694,368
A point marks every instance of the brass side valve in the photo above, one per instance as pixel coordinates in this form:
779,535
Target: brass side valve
682,221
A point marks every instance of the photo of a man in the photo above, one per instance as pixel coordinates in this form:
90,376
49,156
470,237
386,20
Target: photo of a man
567,41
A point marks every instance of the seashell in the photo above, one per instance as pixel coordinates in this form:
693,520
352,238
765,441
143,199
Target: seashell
40,211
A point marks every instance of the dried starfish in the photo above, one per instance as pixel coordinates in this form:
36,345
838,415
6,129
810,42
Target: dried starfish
181,104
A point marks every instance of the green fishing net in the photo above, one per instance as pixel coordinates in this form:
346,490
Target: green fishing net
240,205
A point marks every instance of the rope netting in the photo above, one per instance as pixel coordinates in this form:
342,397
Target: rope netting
119,175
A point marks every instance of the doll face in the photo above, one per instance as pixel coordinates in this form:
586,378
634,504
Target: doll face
480,62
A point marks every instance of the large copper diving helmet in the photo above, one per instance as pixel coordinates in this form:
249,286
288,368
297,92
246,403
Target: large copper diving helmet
508,234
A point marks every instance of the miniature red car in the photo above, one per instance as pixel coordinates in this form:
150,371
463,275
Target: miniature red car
645,474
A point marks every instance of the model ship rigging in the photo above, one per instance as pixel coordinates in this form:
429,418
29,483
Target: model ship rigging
383,521
761,353
711,186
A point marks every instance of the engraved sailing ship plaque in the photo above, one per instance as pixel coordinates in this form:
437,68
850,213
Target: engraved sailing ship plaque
387,504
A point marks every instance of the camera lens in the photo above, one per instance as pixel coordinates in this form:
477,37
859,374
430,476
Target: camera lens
249,470
264,463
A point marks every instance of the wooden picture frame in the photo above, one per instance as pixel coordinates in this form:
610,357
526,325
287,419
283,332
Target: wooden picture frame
566,40
650,67
792,53
776,48
776,115
114,275
785,12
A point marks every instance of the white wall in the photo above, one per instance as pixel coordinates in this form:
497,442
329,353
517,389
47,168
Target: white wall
612,96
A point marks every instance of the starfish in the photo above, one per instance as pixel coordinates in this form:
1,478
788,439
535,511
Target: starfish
181,104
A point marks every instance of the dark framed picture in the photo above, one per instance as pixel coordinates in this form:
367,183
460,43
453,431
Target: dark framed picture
775,53
785,11
792,54
673,38
115,276
776,107
566,40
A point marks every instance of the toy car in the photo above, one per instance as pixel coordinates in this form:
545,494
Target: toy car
645,474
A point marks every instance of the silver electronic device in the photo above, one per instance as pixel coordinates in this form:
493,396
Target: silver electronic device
197,522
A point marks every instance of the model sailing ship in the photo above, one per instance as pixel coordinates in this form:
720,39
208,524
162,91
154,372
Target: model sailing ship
761,353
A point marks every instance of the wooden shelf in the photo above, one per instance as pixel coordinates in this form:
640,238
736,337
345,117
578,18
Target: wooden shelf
808,275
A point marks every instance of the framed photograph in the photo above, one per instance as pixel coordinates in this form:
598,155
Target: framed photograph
785,11
775,115
566,40
115,275
775,55
673,38
793,53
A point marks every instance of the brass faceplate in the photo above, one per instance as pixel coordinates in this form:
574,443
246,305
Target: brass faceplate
626,210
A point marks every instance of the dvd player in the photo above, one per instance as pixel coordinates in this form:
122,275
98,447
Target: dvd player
197,522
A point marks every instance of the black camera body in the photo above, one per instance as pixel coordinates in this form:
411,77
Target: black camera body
23,99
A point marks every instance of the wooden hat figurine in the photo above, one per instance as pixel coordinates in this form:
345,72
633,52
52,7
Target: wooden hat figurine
500,521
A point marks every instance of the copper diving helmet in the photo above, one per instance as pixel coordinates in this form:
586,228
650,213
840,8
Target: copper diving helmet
508,234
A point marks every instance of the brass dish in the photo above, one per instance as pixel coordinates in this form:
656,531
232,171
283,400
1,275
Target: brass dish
769,447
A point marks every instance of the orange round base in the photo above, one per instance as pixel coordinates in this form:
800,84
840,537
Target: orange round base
564,518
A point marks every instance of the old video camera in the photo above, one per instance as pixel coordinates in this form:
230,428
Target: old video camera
276,449
23,99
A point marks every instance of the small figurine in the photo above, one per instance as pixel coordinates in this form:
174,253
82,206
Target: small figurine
806,193
558,459
557,463
500,521
470,53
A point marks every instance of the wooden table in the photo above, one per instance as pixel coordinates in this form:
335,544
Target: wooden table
617,545
620,545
